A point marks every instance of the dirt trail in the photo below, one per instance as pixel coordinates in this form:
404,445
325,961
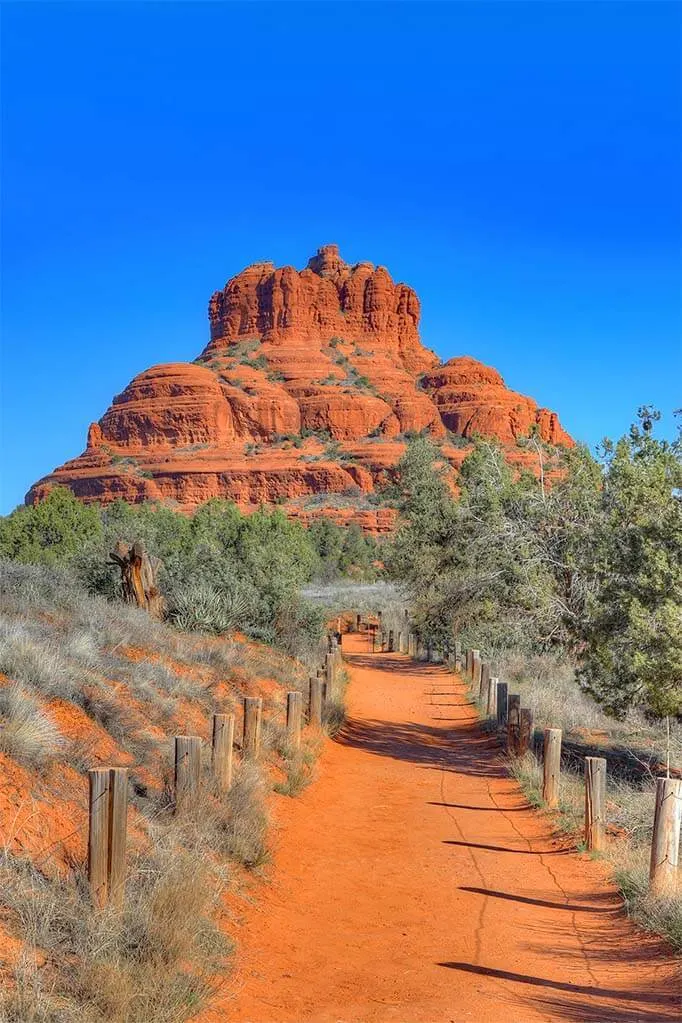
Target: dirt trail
412,883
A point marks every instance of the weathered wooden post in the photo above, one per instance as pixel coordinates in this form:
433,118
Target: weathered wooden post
476,671
358,623
330,675
294,711
221,750
665,841
491,707
551,766
485,678
98,836
502,700
399,644
118,826
513,723
525,730
391,643
383,641
315,713
187,771
595,800
253,716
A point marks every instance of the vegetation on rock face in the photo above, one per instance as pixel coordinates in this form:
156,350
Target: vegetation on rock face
591,564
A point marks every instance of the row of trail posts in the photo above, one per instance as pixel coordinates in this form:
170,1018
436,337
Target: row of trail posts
514,723
108,787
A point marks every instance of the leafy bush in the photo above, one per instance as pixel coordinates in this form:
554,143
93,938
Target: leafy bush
591,564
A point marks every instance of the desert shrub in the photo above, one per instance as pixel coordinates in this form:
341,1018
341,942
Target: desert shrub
26,732
203,608
241,821
152,963
50,532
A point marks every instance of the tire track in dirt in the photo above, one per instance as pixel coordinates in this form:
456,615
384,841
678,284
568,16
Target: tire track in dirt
381,908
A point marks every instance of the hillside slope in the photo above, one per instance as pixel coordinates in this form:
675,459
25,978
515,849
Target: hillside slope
304,396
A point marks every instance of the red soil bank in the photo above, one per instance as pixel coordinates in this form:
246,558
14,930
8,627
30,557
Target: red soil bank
412,883
332,349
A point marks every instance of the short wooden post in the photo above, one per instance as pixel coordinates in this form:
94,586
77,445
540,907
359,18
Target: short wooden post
221,750
383,641
513,723
391,641
476,671
458,655
294,710
187,771
253,716
98,836
330,675
485,678
551,766
502,700
595,800
525,730
492,698
315,714
358,622
118,825
665,841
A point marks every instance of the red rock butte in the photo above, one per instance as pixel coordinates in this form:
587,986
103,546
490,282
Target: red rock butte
304,397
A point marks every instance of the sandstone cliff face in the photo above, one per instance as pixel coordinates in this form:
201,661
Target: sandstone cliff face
303,397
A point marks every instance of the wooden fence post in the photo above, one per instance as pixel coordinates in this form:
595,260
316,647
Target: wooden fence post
253,716
665,841
98,836
391,643
330,675
551,766
118,825
502,700
476,671
294,708
513,723
595,799
221,750
492,698
315,714
187,771
525,730
485,678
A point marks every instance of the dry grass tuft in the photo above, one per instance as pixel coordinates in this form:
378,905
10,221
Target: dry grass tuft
27,733
151,963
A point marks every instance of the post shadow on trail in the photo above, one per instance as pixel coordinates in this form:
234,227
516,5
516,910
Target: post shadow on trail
505,849
641,997
468,750
614,907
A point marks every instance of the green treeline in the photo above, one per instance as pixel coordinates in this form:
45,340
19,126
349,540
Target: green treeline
589,562
220,569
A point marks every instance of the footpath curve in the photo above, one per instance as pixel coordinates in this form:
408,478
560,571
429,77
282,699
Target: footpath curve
413,883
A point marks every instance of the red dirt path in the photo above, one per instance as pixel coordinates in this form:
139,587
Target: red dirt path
412,883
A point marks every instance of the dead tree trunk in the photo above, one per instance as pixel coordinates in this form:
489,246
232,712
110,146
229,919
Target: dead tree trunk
139,577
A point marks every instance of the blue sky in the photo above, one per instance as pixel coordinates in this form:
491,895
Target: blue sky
518,164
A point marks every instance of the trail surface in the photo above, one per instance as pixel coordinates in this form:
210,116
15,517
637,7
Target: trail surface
412,883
